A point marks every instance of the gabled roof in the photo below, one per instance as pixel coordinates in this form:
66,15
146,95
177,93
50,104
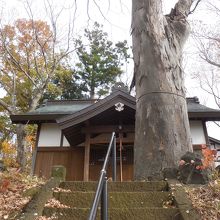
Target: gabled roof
97,108
214,140
196,111
103,112
53,110
72,115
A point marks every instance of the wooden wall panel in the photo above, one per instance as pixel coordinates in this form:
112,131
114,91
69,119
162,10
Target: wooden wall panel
77,164
71,158
127,172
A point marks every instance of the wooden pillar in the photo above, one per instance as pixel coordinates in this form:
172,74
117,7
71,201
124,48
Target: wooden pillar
120,148
205,133
34,156
86,158
61,139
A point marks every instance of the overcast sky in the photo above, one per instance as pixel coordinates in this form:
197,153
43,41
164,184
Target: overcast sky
116,18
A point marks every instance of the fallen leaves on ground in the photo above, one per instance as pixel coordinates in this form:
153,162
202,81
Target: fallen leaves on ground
12,186
57,189
206,200
46,218
169,203
55,204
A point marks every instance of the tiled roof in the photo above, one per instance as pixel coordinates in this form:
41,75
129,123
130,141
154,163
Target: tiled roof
52,110
62,107
193,105
71,106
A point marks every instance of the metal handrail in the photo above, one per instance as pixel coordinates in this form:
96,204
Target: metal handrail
101,190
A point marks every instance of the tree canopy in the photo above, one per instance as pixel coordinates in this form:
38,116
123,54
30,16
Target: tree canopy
64,85
100,61
27,63
29,58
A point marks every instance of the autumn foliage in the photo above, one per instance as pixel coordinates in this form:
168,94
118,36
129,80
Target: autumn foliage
208,158
9,154
4,185
206,199
13,184
29,58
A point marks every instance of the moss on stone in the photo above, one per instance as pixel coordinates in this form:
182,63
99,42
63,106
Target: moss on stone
183,202
117,186
127,200
36,205
58,171
116,214
116,199
31,192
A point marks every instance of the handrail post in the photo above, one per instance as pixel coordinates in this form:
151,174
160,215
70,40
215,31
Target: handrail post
102,191
114,176
104,201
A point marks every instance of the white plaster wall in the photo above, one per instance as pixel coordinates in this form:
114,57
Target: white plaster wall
197,132
50,135
65,142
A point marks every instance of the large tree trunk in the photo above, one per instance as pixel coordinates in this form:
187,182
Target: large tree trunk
162,132
21,146
21,134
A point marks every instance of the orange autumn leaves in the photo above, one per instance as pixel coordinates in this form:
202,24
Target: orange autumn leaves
27,37
208,158
13,184
9,151
27,50
4,185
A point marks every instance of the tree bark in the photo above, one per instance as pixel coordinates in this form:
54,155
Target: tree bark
20,131
162,132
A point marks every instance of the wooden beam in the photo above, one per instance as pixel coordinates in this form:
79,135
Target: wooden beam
54,149
86,156
197,146
205,133
107,129
106,140
61,139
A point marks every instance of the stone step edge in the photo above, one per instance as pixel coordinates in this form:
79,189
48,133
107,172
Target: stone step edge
113,193
162,181
127,186
112,209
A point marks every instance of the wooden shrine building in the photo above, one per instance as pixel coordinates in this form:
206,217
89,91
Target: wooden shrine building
76,133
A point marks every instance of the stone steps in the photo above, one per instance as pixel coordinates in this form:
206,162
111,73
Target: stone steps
116,213
117,186
116,199
127,201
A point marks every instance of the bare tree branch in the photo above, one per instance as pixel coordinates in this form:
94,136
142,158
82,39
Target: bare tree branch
216,124
6,106
197,3
205,57
87,11
99,8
